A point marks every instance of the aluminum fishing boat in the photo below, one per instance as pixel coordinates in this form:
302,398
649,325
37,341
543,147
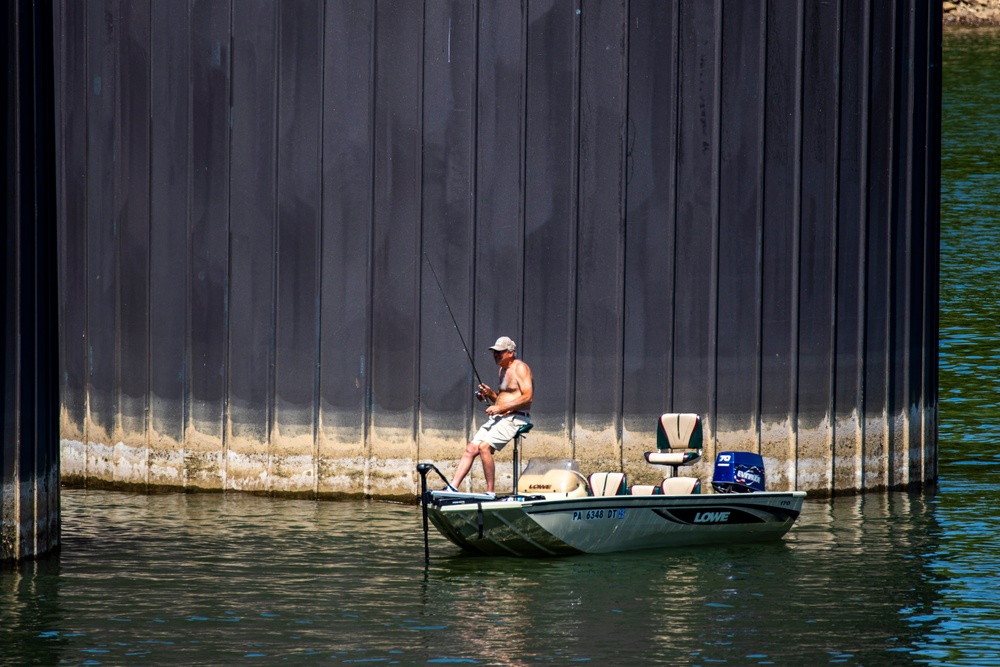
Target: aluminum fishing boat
559,511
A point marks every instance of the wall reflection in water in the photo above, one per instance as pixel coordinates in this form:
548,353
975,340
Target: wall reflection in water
158,580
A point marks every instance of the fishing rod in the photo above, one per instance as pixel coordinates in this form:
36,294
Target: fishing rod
457,330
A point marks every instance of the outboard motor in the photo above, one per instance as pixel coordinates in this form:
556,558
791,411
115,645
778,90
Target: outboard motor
738,472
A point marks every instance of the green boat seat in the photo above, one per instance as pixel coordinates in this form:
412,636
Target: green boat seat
678,443
607,483
678,440
644,490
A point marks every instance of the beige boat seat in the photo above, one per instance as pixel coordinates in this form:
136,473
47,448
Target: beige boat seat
553,484
678,441
680,486
607,483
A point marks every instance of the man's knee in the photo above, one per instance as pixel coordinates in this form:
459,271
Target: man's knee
479,448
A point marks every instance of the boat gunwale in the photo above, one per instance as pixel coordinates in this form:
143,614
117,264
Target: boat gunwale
562,504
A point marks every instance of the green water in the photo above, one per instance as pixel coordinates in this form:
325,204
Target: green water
200,579
896,579
970,248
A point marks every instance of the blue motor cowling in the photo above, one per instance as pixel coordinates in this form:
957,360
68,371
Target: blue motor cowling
738,472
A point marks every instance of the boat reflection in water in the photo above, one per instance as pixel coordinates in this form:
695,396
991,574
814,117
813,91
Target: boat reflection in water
558,511
209,579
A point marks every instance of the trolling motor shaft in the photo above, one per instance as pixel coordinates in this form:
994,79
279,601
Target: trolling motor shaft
423,469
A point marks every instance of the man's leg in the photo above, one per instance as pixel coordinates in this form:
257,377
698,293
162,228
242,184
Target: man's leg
489,467
465,464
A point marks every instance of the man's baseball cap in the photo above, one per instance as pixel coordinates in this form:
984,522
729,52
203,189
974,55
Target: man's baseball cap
503,344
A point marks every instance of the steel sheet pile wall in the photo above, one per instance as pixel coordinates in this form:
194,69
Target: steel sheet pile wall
727,208
29,381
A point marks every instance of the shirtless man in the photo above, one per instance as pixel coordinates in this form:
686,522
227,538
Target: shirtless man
508,413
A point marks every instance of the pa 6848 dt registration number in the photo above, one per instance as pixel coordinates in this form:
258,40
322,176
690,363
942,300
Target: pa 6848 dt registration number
592,515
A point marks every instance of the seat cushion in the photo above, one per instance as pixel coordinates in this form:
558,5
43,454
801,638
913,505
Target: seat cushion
607,483
680,486
678,458
644,489
678,431
553,483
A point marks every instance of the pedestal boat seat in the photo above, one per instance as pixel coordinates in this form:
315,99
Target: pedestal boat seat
678,443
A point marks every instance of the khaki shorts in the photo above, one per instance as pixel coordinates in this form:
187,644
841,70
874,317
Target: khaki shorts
498,431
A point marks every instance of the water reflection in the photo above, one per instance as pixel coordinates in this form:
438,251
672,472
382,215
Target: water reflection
960,626
970,236
832,592
29,612
212,579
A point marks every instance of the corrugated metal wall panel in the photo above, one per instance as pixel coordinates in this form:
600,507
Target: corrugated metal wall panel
780,262
99,291
299,181
448,241
501,181
852,171
132,213
597,320
817,244
741,146
396,258
695,244
70,27
169,187
544,323
724,208
650,221
345,302
250,350
208,241
29,461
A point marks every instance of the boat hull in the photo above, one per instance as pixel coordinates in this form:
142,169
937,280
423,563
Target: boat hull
537,527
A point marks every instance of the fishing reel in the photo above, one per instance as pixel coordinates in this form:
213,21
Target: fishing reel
481,395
